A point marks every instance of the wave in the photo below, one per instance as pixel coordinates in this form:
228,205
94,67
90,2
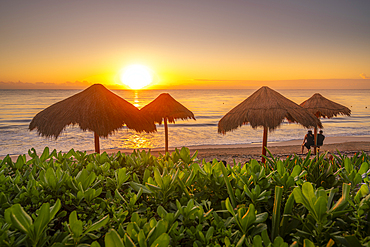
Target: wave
15,126
208,117
17,121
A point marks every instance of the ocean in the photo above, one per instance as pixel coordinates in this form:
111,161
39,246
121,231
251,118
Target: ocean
18,107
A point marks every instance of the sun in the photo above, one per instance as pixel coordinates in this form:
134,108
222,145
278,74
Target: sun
136,76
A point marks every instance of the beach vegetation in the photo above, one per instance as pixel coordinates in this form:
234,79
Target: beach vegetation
138,199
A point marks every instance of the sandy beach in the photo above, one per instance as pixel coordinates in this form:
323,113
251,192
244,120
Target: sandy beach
348,145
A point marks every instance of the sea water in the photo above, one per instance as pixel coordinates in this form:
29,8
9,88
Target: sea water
18,107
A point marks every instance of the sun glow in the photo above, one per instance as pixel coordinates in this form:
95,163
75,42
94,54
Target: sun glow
136,76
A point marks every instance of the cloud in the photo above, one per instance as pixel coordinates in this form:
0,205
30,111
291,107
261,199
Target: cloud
364,76
44,85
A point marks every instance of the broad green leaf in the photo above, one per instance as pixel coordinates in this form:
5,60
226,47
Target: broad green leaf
42,220
99,224
348,166
363,191
279,242
137,186
330,198
159,229
342,203
227,241
276,212
16,216
146,175
183,187
241,241
280,168
51,178
45,154
162,241
262,217
320,208
308,243
158,178
364,168
75,225
288,209
265,238
95,244
228,185
153,187
161,212
117,194
141,239
357,179
89,194
257,241
294,244
128,241
201,235
122,176
353,241
209,233
229,207
21,160
73,218
112,239
249,218
309,193
296,171
300,198
258,229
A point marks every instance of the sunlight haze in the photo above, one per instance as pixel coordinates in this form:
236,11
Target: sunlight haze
188,44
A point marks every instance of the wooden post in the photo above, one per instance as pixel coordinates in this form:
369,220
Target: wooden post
97,145
315,141
264,143
166,133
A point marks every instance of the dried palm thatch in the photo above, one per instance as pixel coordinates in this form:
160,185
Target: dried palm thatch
167,108
164,106
266,108
95,109
323,107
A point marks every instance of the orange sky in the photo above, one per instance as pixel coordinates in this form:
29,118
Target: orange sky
187,44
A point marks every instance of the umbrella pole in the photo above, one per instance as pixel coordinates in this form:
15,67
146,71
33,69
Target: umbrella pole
97,145
315,141
166,133
264,144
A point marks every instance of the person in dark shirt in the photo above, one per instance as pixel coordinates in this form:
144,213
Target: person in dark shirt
320,140
308,141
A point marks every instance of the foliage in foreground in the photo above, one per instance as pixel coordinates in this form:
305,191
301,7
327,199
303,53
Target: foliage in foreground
75,199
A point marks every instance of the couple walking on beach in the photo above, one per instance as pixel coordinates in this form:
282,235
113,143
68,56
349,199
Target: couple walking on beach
309,140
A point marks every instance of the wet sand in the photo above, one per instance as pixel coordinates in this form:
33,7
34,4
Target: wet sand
244,152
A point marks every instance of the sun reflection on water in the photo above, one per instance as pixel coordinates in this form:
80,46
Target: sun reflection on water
136,99
138,141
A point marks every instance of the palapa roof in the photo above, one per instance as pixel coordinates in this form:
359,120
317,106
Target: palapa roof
266,108
164,106
96,109
323,107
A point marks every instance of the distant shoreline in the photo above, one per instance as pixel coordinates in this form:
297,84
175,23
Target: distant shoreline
245,152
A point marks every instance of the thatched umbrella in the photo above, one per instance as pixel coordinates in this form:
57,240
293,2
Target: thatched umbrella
167,108
323,107
266,108
96,109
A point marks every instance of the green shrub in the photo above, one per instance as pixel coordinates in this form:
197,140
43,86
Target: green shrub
178,200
